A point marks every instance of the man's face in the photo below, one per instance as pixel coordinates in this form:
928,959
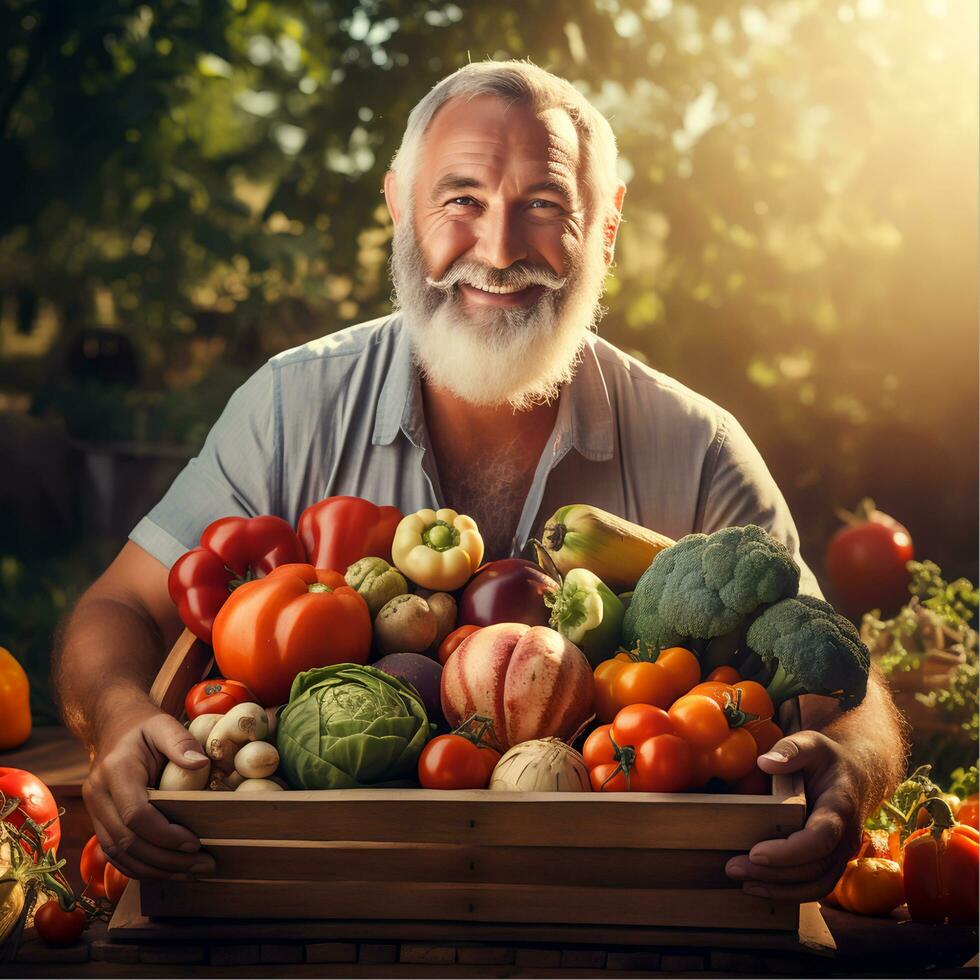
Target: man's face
497,268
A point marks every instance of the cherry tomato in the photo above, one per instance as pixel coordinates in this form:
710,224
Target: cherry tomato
598,748
55,925
637,722
215,697
734,757
683,668
700,720
448,646
644,682
454,762
724,675
605,779
663,765
92,866
115,883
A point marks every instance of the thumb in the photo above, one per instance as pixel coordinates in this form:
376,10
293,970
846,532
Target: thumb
167,735
794,752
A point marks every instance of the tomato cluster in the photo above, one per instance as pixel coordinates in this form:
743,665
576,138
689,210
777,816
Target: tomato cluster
664,730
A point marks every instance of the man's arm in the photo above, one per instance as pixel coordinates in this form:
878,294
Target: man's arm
105,659
851,761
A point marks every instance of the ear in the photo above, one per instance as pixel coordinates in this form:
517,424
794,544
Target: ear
391,195
612,224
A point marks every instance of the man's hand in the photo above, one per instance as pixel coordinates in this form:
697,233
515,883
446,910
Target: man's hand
135,836
806,865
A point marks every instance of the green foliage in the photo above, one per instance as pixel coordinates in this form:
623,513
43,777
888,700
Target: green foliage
811,649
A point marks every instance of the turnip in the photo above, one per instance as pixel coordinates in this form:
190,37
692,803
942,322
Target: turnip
202,725
244,723
405,624
258,786
224,782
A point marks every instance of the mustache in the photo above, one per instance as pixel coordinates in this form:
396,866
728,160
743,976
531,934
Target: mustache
482,278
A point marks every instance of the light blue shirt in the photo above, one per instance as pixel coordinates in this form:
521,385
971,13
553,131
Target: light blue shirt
343,415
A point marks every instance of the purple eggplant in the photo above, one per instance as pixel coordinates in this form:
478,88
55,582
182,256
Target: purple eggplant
510,590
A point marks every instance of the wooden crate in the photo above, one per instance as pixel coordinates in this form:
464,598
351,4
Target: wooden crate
558,859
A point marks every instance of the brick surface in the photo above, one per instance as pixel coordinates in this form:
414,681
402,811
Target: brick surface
171,954
377,953
418,953
236,954
108,952
331,953
537,958
280,953
485,955
682,962
35,951
583,959
632,960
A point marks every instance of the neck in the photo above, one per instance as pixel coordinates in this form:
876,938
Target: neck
451,419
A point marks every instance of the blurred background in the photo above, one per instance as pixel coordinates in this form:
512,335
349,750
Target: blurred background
191,187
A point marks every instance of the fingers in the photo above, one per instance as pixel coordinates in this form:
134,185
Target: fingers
800,891
795,752
824,831
168,736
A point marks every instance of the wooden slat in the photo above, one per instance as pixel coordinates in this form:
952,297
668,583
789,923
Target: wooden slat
188,662
612,866
632,820
731,909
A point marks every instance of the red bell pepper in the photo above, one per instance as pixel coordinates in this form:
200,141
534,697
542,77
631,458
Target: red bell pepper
338,531
942,868
233,550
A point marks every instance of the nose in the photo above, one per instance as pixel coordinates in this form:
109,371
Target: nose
501,240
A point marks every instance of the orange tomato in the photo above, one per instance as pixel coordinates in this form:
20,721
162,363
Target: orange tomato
15,702
870,886
754,783
603,677
766,734
734,757
682,666
752,697
644,682
296,618
637,722
724,675
700,720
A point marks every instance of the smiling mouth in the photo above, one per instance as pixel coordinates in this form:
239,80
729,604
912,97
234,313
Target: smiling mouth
486,297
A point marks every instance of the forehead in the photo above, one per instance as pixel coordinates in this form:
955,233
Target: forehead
492,140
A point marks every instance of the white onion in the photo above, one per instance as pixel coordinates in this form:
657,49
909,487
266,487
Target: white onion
543,765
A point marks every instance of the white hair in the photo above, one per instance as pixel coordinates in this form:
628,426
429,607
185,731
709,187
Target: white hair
523,83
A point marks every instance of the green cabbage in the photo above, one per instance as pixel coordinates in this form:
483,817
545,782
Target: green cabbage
348,727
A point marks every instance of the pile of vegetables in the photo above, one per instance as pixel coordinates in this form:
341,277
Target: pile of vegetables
388,654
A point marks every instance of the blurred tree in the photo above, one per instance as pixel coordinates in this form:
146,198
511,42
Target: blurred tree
800,238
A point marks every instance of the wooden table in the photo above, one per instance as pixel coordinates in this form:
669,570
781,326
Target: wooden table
865,946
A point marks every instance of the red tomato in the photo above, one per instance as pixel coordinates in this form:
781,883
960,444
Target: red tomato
754,783
115,883
968,812
663,765
766,734
598,748
866,563
55,925
448,646
454,762
92,866
700,770
724,675
36,802
605,778
215,697
637,722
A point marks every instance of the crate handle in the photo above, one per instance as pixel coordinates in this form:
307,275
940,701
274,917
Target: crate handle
187,663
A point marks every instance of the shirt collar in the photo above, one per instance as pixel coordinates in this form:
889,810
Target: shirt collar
584,416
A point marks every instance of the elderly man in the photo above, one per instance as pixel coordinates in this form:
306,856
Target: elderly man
487,391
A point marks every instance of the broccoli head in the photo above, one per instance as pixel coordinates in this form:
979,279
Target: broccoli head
705,586
811,650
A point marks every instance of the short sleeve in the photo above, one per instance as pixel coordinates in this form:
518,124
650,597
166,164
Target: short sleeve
739,489
234,475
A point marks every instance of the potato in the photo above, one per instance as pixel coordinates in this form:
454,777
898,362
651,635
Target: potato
444,607
405,624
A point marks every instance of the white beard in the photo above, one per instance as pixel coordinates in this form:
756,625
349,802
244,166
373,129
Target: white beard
492,356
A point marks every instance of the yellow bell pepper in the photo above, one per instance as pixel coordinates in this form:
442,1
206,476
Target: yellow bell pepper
437,549
15,702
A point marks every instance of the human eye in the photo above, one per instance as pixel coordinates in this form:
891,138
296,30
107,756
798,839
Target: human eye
541,200
465,198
